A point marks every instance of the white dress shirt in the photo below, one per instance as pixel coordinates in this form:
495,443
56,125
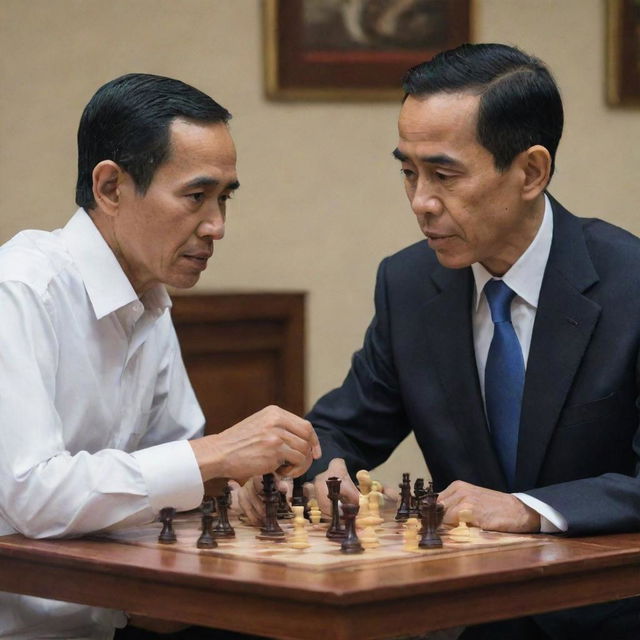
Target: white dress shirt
95,409
525,279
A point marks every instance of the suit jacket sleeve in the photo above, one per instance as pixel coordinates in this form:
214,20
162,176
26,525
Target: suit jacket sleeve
363,420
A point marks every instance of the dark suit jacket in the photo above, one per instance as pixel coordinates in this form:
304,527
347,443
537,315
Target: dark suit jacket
417,371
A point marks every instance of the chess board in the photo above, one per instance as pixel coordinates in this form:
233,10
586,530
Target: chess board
322,554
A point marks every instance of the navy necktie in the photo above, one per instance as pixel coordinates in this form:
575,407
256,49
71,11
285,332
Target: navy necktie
503,378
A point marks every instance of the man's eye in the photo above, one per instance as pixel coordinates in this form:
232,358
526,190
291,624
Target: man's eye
225,197
407,173
442,176
196,197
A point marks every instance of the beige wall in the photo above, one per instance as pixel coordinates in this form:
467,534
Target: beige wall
321,200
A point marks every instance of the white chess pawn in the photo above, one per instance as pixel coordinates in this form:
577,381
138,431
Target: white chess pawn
315,514
369,539
364,481
299,538
410,535
462,533
374,508
362,519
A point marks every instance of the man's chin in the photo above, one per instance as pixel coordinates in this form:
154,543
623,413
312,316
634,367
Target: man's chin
183,281
452,261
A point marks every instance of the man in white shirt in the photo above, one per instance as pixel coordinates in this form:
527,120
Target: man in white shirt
100,426
508,342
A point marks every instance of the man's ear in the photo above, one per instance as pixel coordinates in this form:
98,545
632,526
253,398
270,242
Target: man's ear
107,176
537,171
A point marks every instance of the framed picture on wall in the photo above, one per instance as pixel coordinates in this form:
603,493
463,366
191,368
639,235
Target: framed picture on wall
355,49
623,73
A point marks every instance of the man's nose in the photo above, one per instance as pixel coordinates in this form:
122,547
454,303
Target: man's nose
212,226
425,201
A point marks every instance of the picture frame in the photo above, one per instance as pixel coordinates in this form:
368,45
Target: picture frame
354,49
623,52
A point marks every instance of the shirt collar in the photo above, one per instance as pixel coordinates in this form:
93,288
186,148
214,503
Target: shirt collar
525,275
106,284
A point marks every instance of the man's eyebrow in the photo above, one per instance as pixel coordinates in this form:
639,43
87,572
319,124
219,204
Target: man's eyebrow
207,181
440,158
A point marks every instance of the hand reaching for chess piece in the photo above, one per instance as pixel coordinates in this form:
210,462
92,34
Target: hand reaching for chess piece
269,440
248,498
348,491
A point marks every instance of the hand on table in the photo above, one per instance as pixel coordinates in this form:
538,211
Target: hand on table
269,440
492,510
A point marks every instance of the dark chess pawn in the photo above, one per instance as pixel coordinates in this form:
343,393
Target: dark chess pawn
223,529
284,510
404,509
167,535
418,492
431,515
208,504
351,543
271,498
335,530
206,539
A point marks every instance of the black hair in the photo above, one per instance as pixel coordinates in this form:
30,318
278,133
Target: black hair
520,104
128,121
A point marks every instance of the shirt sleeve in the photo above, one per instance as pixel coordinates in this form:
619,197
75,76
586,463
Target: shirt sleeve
551,520
45,490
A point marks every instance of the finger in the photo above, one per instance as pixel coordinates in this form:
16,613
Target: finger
304,430
322,497
309,490
251,505
296,442
349,491
391,494
284,484
295,463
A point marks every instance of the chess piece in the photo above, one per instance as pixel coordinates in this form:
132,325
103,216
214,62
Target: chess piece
315,515
410,535
364,481
299,539
350,544
462,533
335,530
362,520
206,539
298,499
374,508
369,539
271,498
208,504
405,499
167,535
431,515
283,511
223,528
418,493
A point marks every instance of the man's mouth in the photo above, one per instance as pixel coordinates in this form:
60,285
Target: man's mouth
199,258
437,237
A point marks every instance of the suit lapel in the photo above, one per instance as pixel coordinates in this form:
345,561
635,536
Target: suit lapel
564,323
451,346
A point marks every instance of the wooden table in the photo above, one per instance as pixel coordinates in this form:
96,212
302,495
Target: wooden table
341,604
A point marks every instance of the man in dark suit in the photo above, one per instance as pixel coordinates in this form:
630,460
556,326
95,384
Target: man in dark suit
528,413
